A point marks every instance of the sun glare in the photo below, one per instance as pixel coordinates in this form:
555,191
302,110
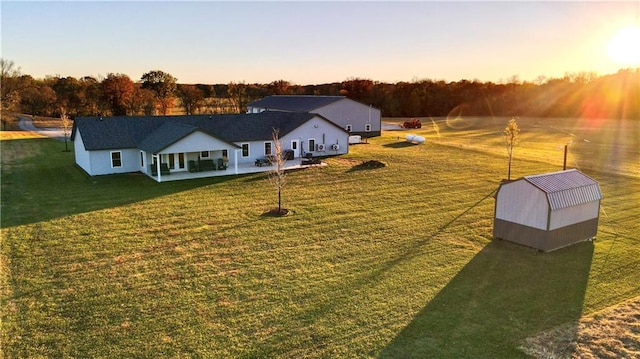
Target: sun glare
624,46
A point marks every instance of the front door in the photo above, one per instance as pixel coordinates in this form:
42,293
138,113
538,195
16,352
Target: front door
295,147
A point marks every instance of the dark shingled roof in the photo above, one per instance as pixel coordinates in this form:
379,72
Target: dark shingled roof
153,133
295,103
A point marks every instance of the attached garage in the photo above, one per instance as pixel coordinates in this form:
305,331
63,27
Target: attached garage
548,211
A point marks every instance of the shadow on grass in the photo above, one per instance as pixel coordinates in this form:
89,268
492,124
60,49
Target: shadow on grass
46,184
265,176
401,144
505,294
367,165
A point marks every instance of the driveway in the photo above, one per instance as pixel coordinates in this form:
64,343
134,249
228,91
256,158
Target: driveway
26,124
390,126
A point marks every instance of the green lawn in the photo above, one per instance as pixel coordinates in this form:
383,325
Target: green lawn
391,262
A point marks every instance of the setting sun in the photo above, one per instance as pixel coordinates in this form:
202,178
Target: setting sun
624,46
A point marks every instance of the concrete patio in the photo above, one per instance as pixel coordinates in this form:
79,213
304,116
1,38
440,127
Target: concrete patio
243,168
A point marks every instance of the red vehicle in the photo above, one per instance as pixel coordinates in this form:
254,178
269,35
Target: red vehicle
412,123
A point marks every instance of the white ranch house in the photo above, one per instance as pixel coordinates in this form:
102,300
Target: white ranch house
354,117
181,147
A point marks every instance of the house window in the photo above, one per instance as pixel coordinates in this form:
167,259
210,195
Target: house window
204,154
367,127
141,158
267,148
312,144
348,128
172,161
245,150
225,154
116,159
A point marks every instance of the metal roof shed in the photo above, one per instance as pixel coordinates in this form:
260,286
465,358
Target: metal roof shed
548,211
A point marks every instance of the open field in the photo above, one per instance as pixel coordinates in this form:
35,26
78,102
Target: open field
392,262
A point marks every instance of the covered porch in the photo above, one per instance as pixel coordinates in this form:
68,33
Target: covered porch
242,168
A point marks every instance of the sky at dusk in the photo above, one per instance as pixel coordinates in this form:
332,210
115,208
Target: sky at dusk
315,42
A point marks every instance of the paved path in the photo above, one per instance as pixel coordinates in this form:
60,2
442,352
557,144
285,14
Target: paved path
390,126
26,124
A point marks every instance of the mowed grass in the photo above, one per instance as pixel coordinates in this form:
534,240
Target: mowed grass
391,262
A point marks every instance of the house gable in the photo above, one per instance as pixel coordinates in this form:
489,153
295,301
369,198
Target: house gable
197,141
362,119
322,132
176,137
255,127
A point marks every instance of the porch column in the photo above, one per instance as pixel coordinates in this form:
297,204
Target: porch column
235,160
158,158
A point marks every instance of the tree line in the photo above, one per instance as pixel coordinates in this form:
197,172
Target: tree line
157,92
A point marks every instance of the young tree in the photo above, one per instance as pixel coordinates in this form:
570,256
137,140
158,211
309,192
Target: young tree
511,135
66,127
277,175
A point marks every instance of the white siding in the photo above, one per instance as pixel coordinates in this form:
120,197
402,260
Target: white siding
348,112
256,150
325,133
575,214
83,157
522,203
148,159
196,142
101,161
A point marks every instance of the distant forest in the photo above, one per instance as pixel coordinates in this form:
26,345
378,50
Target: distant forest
156,92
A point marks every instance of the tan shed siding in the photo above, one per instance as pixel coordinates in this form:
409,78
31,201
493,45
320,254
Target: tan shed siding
576,214
545,240
510,200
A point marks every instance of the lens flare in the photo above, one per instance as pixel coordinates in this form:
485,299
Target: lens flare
624,47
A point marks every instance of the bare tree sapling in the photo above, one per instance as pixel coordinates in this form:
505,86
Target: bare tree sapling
511,135
277,175
66,128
